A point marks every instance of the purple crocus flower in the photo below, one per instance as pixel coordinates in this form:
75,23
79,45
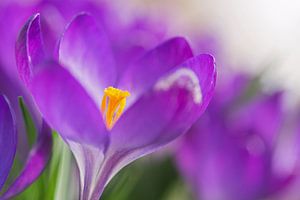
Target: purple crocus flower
58,13
107,119
230,153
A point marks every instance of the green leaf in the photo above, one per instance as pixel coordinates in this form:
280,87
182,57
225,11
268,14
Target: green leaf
179,191
63,189
149,178
29,124
52,173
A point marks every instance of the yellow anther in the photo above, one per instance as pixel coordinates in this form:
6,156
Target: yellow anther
113,104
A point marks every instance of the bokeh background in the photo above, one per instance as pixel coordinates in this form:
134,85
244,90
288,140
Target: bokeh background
252,35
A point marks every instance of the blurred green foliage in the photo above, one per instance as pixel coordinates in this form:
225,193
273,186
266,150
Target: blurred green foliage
46,185
29,124
153,177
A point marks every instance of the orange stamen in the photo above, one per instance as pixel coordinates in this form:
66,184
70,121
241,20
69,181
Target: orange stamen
113,104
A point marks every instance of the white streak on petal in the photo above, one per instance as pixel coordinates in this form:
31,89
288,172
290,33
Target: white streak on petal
79,156
184,78
89,160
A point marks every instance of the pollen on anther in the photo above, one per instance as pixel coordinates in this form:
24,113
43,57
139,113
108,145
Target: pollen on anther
113,105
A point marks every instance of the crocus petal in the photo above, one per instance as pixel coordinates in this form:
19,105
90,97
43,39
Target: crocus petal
35,164
160,115
67,107
8,139
268,111
89,161
175,101
12,88
85,51
141,75
29,49
133,41
29,52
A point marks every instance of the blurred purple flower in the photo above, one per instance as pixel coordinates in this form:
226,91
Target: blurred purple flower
37,160
230,153
82,95
8,139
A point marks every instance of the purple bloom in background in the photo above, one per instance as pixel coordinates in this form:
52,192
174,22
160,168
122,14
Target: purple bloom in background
231,152
8,145
38,156
108,118
34,159
8,139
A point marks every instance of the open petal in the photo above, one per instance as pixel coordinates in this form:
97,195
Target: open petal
141,75
35,164
29,48
89,161
85,51
160,115
8,139
175,101
67,107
